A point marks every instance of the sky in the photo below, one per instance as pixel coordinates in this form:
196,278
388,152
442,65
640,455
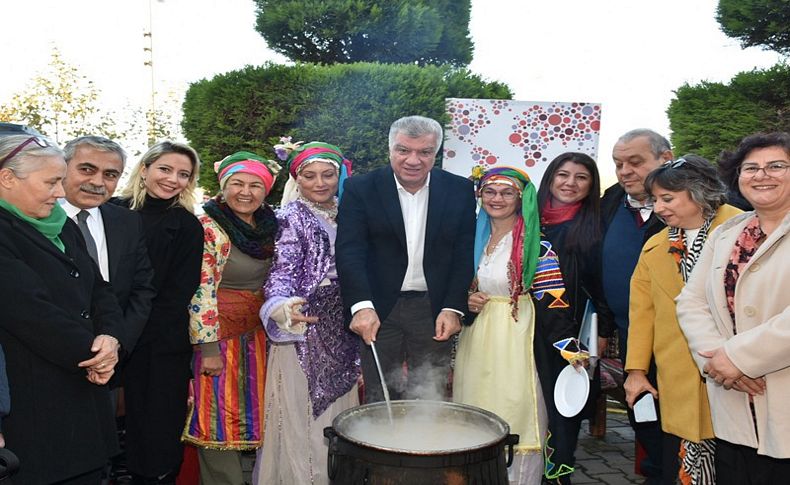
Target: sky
628,55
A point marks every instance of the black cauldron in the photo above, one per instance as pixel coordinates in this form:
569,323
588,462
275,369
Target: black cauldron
357,458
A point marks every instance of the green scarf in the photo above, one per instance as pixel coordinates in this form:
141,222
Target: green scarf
50,226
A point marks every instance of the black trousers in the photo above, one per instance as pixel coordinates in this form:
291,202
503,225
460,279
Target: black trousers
92,477
406,335
156,387
654,466
741,465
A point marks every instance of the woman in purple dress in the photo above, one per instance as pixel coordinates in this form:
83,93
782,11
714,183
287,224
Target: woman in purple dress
313,360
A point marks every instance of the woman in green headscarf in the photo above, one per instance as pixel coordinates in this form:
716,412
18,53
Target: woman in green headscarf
507,362
59,324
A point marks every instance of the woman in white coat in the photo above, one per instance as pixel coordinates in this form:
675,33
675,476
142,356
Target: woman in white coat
735,313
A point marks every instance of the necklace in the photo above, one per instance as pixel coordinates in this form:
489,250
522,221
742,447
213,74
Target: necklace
489,251
328,213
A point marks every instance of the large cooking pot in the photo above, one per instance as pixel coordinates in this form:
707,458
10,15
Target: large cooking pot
428,442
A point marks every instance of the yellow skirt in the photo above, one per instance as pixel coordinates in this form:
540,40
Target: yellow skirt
495,368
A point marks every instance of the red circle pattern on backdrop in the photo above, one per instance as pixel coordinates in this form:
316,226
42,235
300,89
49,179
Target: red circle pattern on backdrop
532,130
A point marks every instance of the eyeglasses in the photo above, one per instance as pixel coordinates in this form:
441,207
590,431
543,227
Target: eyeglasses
775,169
41,142
508,195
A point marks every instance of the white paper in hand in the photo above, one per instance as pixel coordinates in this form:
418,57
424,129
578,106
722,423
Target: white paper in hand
645,409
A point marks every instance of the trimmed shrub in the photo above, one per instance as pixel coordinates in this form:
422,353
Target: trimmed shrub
349,105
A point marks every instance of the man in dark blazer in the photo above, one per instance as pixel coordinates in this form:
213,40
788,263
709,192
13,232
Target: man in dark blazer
404,251
94,166
629,221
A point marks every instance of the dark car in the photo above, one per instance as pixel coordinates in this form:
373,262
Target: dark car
15,129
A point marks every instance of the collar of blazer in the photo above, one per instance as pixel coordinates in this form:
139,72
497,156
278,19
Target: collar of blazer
388,192
736,225
656,250
656,255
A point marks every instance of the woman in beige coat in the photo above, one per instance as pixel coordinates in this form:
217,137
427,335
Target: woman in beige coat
735,313
688,197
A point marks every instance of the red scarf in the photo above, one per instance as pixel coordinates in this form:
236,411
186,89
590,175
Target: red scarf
551,216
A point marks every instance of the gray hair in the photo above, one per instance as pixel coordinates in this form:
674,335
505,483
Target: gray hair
29,158
694,174
414,127
658,144
96,142
135,187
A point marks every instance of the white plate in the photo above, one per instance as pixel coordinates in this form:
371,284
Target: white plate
571,391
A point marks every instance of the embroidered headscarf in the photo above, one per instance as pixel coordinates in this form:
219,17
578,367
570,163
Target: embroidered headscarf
247,162
256,241
298,155
526,232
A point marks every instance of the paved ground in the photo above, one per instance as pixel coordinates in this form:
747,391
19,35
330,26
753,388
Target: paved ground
610,459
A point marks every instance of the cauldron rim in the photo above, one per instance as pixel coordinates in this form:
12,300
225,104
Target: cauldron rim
503,430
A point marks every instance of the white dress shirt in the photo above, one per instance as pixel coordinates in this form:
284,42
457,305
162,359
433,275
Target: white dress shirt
645,208
96,227
414,208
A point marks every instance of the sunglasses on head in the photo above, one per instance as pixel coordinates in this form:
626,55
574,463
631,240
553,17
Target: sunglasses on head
674,163
41,142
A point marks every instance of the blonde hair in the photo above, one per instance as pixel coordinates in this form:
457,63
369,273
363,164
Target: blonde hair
135,189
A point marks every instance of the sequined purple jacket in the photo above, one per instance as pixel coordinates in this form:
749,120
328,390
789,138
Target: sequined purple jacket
327,351
303,259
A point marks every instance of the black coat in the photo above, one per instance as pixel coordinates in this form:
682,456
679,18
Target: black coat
371,241
52,305
156,375
130,269
173,238
582,275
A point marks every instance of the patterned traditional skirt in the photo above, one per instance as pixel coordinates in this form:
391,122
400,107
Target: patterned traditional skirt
226,411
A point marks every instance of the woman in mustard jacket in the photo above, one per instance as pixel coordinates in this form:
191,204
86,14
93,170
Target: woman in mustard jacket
689,197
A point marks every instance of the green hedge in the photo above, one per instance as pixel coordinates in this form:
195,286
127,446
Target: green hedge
710,117
349,105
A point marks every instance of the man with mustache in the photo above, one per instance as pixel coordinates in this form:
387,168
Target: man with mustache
628,222
113,234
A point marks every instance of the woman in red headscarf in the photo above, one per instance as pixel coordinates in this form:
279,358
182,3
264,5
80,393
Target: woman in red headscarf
314,357
229,365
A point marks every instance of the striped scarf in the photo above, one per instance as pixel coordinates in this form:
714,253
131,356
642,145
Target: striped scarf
686,255
697,465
